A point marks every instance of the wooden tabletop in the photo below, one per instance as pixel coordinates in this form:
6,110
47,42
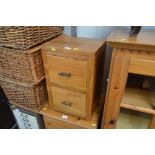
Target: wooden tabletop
121,36
74,45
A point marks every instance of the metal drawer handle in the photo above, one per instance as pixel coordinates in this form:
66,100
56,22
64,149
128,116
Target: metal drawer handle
67,103
64,74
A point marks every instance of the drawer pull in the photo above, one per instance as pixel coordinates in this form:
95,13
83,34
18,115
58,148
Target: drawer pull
64,74
66,103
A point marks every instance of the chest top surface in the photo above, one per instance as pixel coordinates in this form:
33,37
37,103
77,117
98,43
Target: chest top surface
119,37
81,46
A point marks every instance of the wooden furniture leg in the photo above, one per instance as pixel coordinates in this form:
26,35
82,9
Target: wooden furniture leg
152,123
116,86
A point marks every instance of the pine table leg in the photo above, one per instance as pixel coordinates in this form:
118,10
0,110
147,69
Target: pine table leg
116,86
152,123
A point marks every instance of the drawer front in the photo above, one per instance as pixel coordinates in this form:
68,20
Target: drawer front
67,72
69,102
144,67
51,123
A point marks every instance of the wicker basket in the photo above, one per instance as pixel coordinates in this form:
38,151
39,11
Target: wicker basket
25,37
26,67
25,96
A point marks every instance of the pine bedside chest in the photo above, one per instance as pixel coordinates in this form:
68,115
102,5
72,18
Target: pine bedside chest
74,74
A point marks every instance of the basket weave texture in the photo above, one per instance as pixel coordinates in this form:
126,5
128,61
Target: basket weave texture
30,97
21,66
25,37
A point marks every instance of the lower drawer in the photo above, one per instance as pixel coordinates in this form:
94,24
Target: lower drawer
57,120
69,102
51,123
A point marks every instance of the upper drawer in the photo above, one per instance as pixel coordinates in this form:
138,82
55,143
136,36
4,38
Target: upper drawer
141,66
67,72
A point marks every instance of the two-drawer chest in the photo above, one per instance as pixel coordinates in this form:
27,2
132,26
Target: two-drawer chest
74,74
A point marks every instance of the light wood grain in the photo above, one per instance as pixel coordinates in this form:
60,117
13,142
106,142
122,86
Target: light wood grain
152,123
143,67
115,91
68,55
145,40
91,85
82,59
76,68
58,124
137,56
78,46
58,120
139,100
68,101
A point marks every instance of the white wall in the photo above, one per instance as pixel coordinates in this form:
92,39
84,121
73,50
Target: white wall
100,32
67,30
